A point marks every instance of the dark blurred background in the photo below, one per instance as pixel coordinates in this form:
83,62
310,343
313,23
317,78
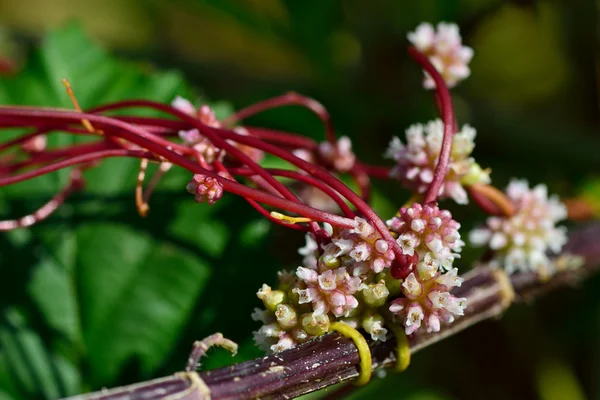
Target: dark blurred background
533,98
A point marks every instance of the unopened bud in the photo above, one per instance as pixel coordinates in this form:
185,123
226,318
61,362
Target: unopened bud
315,324
271,298
376,294
286,316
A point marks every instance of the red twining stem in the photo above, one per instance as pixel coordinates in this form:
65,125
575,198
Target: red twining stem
447,111
146,140
290,98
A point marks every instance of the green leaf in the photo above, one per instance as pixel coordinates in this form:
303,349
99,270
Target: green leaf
25,352
140,297
193,223
110,294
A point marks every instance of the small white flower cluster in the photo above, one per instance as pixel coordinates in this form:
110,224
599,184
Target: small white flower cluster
285,323
349,279
331,285
340,155
427,300
192,137
426,230
522,242
330,282
445,51
417,160
431,237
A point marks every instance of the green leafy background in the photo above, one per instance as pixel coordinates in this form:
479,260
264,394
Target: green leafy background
97,296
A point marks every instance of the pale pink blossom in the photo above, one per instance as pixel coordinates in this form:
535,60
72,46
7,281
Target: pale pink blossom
331,291
429,232
427,300
417,160
340,155
445,51
522,242
193,137
205,189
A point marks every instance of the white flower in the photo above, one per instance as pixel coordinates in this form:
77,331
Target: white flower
309,251
521,242
427,300
435,234
417,160
445,50
340,155
413,319
331,291
360,249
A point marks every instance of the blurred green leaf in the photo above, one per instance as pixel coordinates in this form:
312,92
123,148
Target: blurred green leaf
111,297
143,293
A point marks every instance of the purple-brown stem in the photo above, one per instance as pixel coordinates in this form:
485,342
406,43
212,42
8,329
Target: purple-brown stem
332,358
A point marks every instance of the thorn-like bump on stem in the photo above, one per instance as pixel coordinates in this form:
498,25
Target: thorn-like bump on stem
363,350
200,348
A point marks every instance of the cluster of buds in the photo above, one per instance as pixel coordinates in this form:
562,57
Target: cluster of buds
445,51
427,233
351,277
340,155
205,189
427,299
416,161
429,237
341,280
192,137
521,242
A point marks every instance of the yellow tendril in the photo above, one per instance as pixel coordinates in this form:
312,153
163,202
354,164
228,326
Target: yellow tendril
86,123
363,350
289,220
402,349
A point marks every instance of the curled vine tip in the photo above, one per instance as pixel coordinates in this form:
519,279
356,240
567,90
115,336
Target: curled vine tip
200,348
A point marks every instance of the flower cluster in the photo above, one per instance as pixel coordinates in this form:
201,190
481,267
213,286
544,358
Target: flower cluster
417,160
427,299
205,189
521,242
192,137
340,155
341,280
350,279
430,237
428,233
445,51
